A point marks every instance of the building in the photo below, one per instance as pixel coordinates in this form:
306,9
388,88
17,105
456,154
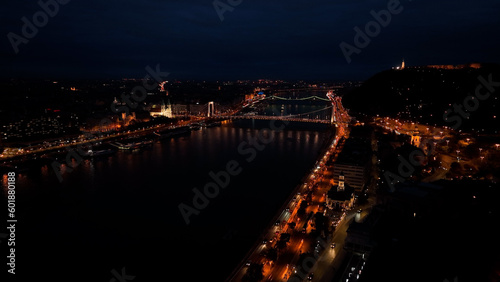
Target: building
162,111
413,199
360,235
456,67
11,152
51,124
415,137
355,174
180,110
355,159
340,196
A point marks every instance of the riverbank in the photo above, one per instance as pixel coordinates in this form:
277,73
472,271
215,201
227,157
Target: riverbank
282,213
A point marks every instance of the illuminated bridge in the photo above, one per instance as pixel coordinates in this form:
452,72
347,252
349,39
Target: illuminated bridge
318,116
334,113
312,98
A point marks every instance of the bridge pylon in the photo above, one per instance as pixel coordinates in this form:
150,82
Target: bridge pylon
211,109
340,116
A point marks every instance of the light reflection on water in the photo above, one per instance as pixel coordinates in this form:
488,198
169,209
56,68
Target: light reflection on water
116,196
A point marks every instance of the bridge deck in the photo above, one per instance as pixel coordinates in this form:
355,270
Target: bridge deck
262,117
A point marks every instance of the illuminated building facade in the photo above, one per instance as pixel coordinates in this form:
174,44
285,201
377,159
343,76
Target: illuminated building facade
340,196
163,110
415,137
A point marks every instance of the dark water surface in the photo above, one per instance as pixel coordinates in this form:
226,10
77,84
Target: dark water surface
122,211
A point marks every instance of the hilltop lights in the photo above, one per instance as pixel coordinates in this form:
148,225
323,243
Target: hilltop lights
471,103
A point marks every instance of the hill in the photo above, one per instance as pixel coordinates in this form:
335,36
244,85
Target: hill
424,95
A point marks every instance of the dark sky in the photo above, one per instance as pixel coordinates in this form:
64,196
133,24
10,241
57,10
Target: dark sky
280,39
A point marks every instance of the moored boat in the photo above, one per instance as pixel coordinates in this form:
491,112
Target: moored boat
97,153
173,132
132,144
195,126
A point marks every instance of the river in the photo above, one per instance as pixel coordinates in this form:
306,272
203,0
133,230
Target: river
120,215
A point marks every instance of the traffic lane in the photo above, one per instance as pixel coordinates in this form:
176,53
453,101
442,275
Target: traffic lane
299,243
319,195
273,233
333,257
328,262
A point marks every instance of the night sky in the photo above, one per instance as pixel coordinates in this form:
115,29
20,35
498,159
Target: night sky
258,39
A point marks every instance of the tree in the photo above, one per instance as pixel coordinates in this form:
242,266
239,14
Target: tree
471,151
302,209
254,273
271,254
309,196
284,239
321,222
363,198
456,168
